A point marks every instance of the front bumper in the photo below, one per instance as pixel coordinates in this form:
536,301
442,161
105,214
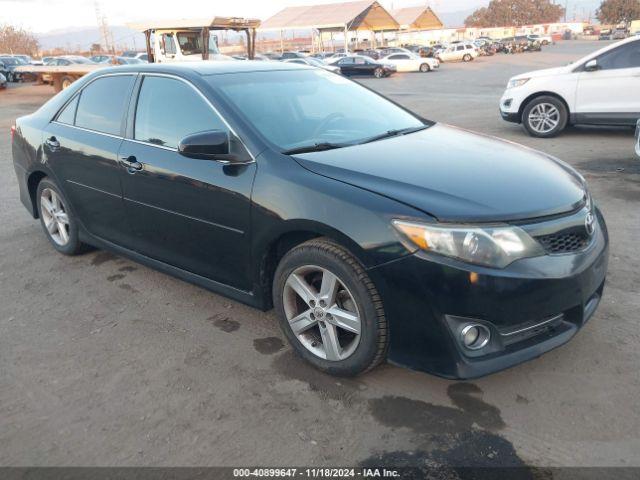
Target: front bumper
510,104
530,307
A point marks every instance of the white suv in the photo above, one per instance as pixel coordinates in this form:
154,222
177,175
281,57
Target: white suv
458,51
602,88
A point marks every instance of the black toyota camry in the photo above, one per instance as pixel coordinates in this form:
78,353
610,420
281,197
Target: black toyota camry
375,234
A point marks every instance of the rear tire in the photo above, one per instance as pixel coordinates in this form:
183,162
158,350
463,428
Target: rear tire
66,81
467,58
58,222
424,68
345,334
378,73
545,116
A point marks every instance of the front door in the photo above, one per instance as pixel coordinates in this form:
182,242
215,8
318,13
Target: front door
347,66
402,62
192,214
611,93
82,145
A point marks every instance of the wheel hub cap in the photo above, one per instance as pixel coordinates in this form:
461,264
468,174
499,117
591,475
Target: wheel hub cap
322,313
544,117
55,217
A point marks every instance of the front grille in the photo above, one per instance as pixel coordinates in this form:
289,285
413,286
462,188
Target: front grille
564,242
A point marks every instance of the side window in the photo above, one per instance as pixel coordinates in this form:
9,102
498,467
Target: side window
460,47
168,110
68,114
626,56
169,44
402,57
346,61
395,57
359,61
102,104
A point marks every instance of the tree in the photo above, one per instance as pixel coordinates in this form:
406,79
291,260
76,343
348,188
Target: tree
17,40
502,13
618,11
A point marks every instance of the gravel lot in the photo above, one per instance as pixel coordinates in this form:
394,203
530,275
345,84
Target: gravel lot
106,362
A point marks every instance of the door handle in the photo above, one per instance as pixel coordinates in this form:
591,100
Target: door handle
131,163
52,143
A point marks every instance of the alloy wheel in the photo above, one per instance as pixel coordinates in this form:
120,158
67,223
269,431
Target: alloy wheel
544,117
322,313
378,73
55,217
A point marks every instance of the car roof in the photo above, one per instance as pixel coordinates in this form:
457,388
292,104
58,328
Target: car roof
206,68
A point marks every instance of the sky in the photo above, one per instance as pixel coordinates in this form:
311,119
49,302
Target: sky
51,15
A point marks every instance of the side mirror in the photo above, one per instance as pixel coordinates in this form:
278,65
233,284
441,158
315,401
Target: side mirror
209,145
591,65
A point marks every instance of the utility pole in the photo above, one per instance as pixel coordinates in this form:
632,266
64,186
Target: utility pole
105,32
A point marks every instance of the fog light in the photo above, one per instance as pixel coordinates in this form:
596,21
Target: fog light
475,336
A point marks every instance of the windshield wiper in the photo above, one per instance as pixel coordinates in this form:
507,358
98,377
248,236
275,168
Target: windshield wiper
393,133
316,147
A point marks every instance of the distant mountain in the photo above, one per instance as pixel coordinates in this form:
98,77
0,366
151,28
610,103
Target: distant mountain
455,19
81,38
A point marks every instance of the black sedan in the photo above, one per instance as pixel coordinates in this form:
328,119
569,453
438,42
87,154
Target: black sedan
373,232
361,65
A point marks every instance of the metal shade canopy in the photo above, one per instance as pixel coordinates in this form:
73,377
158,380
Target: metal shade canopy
359,15
417,18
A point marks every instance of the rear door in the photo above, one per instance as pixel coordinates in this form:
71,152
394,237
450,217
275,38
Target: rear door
611,94
81,147
192,214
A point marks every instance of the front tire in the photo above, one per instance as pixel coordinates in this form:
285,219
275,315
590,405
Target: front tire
58,222
329,309
424,68
467,58
545,117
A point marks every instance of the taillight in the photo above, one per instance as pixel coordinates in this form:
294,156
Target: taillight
13,131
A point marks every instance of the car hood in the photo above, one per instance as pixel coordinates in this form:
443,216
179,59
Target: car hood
456,175
546,72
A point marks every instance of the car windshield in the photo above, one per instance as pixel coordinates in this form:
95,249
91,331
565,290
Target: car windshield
10,61
300,108
191,43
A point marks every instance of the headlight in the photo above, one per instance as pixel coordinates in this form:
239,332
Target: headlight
517,82
489,246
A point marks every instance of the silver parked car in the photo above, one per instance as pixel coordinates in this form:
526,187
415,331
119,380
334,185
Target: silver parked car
3,81
314,62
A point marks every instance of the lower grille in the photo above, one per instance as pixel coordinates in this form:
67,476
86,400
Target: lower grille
564,242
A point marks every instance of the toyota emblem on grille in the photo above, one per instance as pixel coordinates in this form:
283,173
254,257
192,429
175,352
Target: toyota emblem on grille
590,223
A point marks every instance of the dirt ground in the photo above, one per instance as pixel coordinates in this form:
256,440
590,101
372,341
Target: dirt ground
106,362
